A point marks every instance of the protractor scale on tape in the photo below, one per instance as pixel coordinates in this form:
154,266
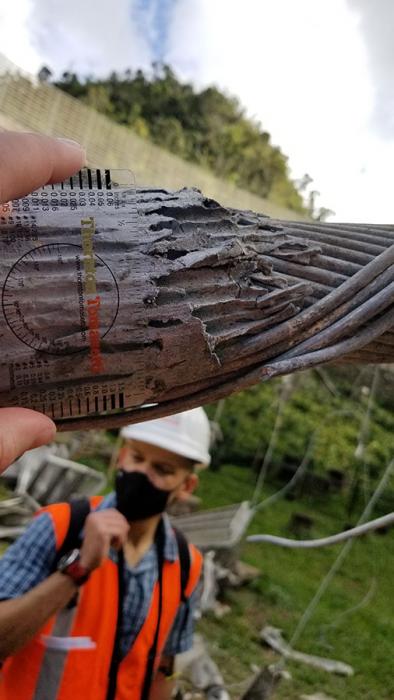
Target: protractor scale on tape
49,273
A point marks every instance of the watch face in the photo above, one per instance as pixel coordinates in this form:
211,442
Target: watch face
70,566
68,559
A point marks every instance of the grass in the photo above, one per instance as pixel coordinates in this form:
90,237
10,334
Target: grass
363,638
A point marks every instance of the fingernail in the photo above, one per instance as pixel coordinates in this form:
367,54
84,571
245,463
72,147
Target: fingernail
46,435
72,143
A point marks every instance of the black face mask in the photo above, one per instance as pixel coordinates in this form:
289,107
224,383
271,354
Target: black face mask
136,497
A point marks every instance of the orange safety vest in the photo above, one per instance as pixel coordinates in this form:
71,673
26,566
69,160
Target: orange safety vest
69,659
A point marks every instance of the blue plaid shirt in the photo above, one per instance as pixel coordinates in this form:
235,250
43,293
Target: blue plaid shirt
30,559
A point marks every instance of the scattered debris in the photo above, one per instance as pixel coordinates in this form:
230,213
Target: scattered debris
216,578
41,477
197,668
221,609
286,675
210,586
264,684
245,573
273,637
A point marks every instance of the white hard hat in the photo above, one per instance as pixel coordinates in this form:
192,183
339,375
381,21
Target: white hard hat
186,434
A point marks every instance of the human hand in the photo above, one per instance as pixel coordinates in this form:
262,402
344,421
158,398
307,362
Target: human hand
103,529
28,161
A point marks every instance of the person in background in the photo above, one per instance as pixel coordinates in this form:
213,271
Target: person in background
106,619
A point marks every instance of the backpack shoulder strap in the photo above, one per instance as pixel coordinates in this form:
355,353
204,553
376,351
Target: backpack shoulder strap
184,560
79,511
195,569
190,560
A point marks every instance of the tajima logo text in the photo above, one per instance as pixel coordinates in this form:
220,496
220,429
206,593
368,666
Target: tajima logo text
93,300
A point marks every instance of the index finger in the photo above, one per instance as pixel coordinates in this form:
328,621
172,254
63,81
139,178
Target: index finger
28,161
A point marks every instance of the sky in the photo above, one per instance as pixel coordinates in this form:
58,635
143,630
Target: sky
317,74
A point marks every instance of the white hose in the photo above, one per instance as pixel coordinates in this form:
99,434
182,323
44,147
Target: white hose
325,541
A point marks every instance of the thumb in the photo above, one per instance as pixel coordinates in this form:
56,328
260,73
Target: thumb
22,429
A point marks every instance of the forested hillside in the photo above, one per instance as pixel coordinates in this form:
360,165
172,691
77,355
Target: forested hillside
206,127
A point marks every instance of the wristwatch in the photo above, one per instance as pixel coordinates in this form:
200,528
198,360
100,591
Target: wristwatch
70,565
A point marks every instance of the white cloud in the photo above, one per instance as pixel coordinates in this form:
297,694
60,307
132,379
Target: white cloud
187,40
15,35
376,21
93,36
302,69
